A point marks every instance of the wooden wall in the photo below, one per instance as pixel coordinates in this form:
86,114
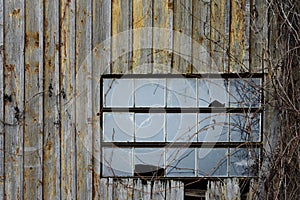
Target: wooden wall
52,54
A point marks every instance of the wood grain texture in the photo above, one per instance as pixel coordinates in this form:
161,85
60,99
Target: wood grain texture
237,36
122,42
218,39
182,46
201,36
258,35
84,129
67,100
2,138
162,39
14,72
33,130
142,12
101,39
51,163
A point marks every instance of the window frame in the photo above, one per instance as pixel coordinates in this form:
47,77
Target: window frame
196,145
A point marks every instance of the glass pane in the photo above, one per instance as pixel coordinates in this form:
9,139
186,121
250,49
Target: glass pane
245,127
149,127
181,127
181,92
149,92
180,162
212,93
244,162
118,127
118,92
213,127
212,162
117,162
149,162
245,92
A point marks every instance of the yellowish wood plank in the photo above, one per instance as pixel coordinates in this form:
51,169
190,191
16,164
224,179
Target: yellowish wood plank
237,37
142,40
122,44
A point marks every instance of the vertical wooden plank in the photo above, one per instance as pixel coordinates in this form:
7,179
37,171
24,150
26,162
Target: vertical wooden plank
175,190
227,36
51,164
158,190
67,96
182,24
237,36
142,40
121,44
33,131
247,35
123,189
84,122
1,101
218,39
162,19
258,35
201,35
101,33
14,29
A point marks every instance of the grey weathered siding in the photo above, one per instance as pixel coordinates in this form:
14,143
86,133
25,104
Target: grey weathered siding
52,54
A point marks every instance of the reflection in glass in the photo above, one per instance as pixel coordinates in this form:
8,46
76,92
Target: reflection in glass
150,92
181,127
149,161
212,90
245,127
212,162
244,162
118,92
149,127
213,127
180,162
181,92
117,162
118,127
245,92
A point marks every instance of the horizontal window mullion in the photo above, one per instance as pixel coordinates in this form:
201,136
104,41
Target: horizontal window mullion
183,144
183,110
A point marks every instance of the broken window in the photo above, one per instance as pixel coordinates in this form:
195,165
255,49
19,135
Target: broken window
181,126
